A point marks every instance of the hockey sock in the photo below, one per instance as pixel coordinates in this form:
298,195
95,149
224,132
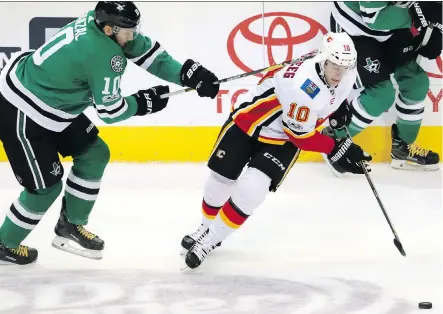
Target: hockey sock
249,192
216,192
25,213
209,213
80,196
408,130
361,119
409,117
229,219
83,183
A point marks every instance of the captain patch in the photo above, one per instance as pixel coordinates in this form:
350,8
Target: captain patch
310,88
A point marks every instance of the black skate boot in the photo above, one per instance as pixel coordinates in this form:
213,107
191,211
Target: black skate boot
22,255
410,156
202,248
336,169
76,239
189,240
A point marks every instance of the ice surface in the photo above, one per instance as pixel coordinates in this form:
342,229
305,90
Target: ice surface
320,245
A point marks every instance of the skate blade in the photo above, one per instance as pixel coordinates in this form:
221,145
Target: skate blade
72,247
6,263
405,165
335,172
183,251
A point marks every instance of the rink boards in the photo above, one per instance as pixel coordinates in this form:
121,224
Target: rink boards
236,38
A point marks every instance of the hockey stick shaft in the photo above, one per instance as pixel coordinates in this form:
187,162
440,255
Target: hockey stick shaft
235,77
397,241
426,38
231,78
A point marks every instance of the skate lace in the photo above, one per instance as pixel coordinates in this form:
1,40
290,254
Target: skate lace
88,235
203,246
415,150
20,251
199,233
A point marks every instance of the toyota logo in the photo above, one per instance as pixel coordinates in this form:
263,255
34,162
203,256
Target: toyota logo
280,19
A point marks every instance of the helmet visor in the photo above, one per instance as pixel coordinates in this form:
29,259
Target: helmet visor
129,33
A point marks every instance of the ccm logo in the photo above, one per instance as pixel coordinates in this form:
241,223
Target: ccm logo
275,161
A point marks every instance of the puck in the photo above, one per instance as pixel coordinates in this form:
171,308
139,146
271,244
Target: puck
425,305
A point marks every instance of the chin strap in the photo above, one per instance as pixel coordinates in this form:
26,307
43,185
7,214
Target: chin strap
320,71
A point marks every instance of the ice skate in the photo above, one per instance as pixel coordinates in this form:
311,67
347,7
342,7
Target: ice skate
22,255
411,156
202,248
76,239
189,240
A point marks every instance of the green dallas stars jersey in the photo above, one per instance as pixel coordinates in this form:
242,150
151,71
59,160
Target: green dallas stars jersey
78,67
375,19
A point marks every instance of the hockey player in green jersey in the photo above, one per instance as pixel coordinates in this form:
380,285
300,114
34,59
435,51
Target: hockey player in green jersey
43,94
388,37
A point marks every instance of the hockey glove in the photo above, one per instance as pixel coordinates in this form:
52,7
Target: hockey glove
347,155
149,100
341,117
194,75
403,44
434,46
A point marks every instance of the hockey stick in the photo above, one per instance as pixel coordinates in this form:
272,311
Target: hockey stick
425,41
231,78
397,242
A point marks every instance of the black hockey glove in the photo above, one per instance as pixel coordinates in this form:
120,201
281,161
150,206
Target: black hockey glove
149,101
425,12
341,117
434,46
194,75
403,44
347,155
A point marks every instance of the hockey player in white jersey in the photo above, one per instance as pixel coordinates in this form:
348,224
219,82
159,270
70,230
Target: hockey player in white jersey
265,132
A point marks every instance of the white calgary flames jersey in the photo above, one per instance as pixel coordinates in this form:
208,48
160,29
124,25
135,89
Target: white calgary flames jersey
289,103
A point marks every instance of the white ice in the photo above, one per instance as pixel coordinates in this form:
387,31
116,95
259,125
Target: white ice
325,237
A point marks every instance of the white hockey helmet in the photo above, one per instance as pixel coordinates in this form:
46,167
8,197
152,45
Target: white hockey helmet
339,49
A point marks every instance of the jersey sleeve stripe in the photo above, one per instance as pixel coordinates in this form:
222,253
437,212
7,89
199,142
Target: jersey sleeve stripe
113,113
140,59
145,61
116,105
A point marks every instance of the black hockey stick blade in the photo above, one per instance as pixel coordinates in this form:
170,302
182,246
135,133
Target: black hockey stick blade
400,248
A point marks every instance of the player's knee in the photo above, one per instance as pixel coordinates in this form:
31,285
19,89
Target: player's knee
217,189
103,152
378,98
420,81
53,190
42,199
251,190
98,154
92,162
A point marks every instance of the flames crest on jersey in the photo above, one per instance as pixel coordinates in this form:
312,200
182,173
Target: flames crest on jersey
117,63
